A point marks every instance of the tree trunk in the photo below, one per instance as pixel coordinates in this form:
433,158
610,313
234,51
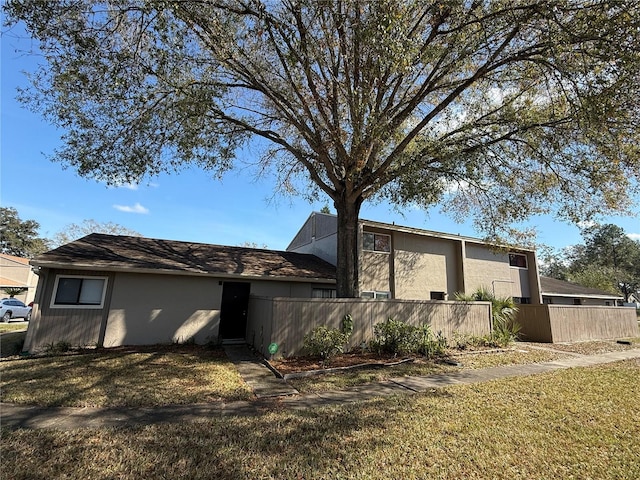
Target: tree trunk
348,268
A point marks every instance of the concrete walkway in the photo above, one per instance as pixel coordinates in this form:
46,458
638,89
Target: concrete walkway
271,392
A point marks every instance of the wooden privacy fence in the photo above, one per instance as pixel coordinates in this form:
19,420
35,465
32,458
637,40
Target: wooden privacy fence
569,323
285,321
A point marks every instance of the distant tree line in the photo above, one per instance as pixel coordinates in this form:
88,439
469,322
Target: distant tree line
21,238
608,259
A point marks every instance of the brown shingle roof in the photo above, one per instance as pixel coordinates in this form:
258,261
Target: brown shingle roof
553,286
115,252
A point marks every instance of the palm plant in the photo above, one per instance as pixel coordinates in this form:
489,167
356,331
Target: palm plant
504,312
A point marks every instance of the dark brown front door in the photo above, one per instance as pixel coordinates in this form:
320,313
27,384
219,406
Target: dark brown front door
233,311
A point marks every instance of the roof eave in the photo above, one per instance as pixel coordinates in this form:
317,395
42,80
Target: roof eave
117,269
441,235
582,295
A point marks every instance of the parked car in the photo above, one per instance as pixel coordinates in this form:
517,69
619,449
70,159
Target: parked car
12,308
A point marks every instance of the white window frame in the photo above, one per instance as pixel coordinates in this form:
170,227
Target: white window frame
377,295
526,260
54,293
435,293
374,242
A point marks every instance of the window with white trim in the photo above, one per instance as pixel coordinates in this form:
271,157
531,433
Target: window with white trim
75,291
517,260
376,295
376,242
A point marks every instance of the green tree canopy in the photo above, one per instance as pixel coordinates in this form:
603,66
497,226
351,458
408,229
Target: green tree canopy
496,109
19,237
608,259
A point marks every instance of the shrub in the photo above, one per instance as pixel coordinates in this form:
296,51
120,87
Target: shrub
399,338
504,312
326,342
57,348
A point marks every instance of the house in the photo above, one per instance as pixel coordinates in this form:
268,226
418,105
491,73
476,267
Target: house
15,272
111,290
413,264
559,292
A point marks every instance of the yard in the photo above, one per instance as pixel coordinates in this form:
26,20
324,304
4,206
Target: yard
576,423
121,377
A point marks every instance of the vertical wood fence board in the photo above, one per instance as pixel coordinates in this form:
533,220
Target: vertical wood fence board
569,323
292,318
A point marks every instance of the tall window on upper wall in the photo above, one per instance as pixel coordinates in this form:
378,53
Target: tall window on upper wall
517,260
376,242
74,291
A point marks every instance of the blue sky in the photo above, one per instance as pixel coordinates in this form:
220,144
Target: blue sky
187,206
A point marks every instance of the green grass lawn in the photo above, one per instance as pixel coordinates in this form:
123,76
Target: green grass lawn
178,375
12,327
580,423
11,343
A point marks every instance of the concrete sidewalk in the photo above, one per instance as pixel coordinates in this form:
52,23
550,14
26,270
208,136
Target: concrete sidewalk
267,387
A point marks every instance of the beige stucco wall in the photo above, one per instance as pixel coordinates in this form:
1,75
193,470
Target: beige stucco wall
177,309
483,266
424,265
419,265
149,309
520,285
375,272
264,288
144,309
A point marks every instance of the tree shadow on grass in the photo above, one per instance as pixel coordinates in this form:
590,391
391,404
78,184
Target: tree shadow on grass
314,443
142,377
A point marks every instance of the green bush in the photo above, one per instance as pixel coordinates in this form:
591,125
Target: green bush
326,342
57,348
399,338
504,312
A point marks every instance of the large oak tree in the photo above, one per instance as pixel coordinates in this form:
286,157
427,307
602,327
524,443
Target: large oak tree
496,109
20,237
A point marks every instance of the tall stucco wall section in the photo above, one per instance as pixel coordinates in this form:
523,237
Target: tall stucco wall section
423,266
155,309
484,268
376,272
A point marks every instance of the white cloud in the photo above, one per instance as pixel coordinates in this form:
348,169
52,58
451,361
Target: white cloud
137,208
634,236
586,224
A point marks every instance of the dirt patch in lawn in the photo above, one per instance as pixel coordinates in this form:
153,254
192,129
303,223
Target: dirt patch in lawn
355,359
345,360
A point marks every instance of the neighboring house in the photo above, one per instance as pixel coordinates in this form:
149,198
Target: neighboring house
634,301
112,290
15,272
414,264
559,292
